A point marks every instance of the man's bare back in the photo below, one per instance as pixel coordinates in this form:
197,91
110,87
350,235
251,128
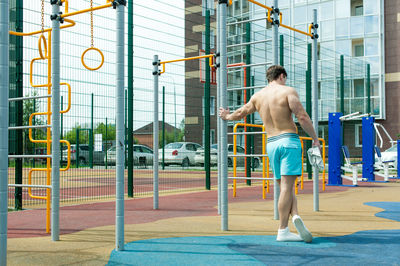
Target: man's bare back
272,104
276,103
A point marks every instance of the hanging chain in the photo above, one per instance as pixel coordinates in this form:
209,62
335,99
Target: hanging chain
42,14
91,24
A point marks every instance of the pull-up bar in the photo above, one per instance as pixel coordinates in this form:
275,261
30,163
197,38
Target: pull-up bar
210,62
270,11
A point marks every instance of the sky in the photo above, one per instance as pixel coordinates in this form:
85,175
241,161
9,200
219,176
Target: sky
158,29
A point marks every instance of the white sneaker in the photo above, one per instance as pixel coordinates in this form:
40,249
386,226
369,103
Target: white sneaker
284,235
302,229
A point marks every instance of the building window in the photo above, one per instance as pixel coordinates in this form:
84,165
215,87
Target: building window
358,87
212,105
203,40
212,137
358,135
357,7
208,4
358,47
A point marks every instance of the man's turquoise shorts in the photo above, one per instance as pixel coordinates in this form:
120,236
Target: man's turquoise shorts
284,152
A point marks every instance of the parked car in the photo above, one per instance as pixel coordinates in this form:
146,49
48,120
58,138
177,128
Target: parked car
142,155
181,153
199,157
84,150
389,155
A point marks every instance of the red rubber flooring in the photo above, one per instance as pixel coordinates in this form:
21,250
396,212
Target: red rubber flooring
31,223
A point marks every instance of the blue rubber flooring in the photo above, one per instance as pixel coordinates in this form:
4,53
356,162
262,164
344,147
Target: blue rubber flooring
377,247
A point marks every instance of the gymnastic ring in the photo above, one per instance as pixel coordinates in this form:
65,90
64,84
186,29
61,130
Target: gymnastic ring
40,47
83,61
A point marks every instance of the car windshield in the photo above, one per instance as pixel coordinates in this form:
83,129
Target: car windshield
394,148
214,146
173,145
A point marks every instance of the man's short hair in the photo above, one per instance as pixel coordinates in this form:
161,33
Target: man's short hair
274,72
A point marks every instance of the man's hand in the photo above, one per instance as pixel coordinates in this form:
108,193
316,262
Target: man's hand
224,113
316,143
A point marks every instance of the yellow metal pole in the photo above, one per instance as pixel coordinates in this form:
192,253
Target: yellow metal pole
234,161
48,191
302,164
296,30
234,158
259,4
263,162
210,62
71,24
86,10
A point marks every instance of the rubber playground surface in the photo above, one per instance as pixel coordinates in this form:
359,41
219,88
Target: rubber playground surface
355,226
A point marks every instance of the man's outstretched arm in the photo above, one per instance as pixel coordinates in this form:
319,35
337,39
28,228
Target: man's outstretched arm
304,119
243,111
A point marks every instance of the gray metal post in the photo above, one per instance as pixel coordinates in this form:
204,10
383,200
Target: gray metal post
55,124
120,129
314,72
218,120
275,54
155,132
223,124
4,83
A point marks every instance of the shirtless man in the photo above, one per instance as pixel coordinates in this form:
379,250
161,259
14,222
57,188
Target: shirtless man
276,103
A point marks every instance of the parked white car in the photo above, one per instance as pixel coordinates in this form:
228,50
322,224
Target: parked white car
389,155
199,157
142,155
181,153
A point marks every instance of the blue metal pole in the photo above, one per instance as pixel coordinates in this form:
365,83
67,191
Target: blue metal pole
368,143
335,144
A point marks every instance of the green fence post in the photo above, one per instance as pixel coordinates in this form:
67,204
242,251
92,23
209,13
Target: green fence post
342,84
34,132
106,145
130,96
61,126
126,130
281,50
207,103
248,160
252,121
308,103
19,146
91,150
368,88
163,127
77,148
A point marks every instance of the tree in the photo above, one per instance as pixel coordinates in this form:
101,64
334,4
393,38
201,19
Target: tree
101,129
170,136
29,107
71,135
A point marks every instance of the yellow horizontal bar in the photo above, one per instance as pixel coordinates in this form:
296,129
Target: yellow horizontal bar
187,58
246,125
259,4
210,63
296,30
86,10
72,23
